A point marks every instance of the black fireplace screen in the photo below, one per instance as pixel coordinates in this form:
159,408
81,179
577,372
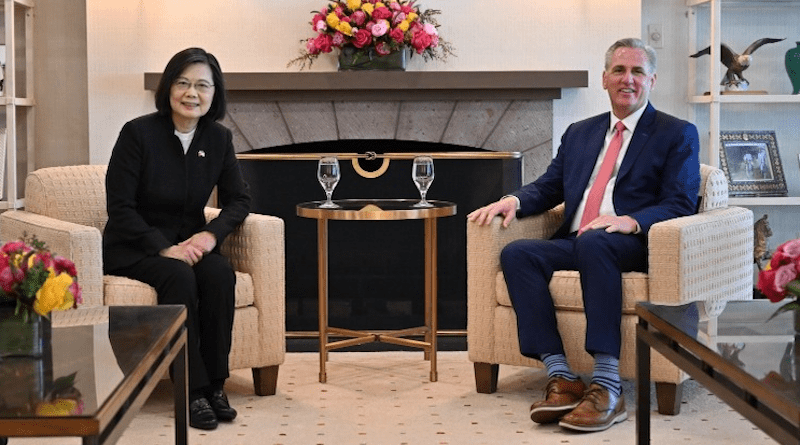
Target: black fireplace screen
376,267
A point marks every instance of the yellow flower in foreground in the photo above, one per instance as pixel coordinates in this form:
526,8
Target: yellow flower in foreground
353,4
411,16
332,20
403,25
368,8
59,407
345,28
54,294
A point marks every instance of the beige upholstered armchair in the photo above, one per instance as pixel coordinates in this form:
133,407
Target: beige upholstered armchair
66,208
703,257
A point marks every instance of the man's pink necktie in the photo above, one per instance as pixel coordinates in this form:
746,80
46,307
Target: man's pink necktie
595,197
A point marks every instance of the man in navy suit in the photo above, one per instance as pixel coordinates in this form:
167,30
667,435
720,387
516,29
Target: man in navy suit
654,177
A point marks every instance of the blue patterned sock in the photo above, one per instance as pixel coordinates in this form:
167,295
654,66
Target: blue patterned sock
557,366
606,373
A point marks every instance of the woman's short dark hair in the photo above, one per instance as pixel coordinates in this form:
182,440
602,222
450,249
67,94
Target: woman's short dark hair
176,65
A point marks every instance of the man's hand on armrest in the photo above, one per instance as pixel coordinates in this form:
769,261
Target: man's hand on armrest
506,206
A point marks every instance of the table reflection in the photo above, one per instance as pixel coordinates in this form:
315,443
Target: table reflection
743,333
76,373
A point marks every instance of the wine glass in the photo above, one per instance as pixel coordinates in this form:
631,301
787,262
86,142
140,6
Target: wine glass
328,174
422,174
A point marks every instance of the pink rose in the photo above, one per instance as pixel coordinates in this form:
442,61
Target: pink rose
406,9
766,280
7,280
324,43
362,38
383,49
395,6
369,26
75,290
380,28
359,17
399,17
338,39
783,275
61,264
430,29
397,35
311,47
414,27
420,40
14,246
316,19
382,13
791,248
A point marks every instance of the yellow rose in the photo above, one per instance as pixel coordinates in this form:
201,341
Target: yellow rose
53,294
368,8
345,28
59,407
353,4
332,20
403,25
411,16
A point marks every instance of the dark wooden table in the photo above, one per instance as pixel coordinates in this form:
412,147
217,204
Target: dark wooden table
378,210
118,355
749,363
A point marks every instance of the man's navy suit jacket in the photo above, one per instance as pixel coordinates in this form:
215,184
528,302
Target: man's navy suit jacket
658,179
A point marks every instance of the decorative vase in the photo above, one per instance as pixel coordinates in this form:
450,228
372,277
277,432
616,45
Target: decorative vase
22,338
793,67
352,59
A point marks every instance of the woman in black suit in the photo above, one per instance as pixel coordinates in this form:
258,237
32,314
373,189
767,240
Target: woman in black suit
162,171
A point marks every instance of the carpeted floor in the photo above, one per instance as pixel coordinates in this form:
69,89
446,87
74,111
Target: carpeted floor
386,398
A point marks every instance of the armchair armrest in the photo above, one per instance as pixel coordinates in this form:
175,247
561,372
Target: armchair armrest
81,244
484,244
703,257
257,248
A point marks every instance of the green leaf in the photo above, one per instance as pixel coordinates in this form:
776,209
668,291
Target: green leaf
793,305
793,287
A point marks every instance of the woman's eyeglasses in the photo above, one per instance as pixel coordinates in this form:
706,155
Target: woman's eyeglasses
202,86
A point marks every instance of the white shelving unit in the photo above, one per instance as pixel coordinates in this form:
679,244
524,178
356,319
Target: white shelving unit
714,100
18,98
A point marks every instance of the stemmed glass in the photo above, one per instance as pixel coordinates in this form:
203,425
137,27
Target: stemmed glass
328,174
422,174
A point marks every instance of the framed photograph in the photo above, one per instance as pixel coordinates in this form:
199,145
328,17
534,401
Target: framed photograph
751,163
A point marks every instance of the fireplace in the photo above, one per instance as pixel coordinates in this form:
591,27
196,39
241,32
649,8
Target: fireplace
488,131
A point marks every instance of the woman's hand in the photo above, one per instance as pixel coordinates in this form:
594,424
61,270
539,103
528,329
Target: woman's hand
184,252
204,241
193,249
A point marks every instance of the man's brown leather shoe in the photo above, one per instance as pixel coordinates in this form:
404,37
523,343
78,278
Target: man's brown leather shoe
561,396
598,410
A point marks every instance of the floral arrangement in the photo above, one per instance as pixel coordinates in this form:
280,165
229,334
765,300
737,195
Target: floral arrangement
39,281
384,26
781,277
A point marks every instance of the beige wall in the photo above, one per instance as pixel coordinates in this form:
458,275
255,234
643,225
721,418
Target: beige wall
61,90
126,38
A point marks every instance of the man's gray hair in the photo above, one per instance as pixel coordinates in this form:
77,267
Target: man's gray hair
633,43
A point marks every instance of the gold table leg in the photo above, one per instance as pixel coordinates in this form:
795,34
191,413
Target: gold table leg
431,286
322,271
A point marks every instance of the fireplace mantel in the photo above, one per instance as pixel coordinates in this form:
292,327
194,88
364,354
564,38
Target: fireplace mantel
398,85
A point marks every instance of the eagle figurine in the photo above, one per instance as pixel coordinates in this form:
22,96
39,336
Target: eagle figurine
736,63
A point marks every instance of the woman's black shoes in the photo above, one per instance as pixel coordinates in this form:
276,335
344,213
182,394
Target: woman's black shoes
201,415
221,407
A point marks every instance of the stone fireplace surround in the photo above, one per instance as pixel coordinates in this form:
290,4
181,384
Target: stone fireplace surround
497,111
273,113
